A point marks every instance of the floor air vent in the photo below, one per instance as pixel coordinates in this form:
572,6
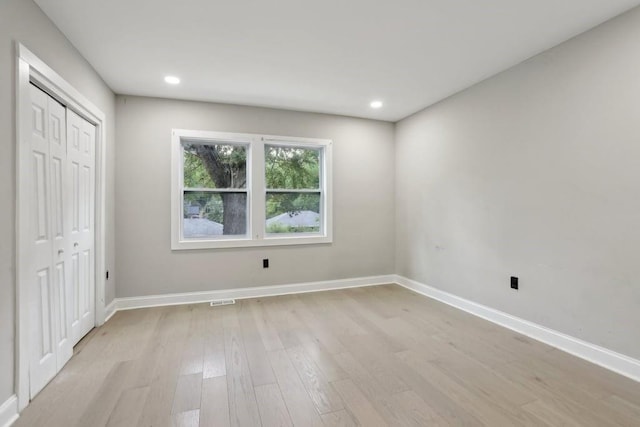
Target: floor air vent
218,302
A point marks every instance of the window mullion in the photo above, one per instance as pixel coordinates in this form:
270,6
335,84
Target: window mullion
177,181
326,165
257,189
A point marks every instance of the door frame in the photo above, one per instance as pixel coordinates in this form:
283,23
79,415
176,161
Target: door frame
29,68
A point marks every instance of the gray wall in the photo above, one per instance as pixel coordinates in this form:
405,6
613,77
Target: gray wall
534,173
363,161
23,21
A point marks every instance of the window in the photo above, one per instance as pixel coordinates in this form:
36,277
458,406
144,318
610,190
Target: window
293,191
214,193
233,190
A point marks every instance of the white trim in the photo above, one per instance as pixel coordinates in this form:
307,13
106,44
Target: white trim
22,247
110,310
256,234
31,68
616,362
9,411
254,292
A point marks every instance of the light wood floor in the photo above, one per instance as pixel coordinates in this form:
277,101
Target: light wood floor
370,356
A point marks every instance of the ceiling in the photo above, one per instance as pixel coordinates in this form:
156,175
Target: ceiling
330,56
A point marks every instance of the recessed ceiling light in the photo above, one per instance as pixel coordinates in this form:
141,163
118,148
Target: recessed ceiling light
172,80
376,104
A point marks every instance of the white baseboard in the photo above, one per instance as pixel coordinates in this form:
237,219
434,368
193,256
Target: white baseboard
241,293
623,365
9,411
110,310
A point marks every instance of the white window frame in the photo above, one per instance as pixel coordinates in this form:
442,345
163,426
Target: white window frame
256,191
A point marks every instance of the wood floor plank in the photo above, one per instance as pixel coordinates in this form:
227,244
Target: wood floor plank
187,419
622,410
322,393
486,384
327,305
483,380
372,302
383,398
372,387
268,333
548,387
63,400
243,408
299,403
370,320
261,372
188,393
273,411
409,409
99,409
166,328
162,388
600,382
372,356
72,390
339,419
453,411
548,415
378,362
316,324
214,407
128,408
325,361
214,360
362,409
291,331
485,410
193,356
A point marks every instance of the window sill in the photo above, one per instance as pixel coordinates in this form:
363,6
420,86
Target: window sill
248,243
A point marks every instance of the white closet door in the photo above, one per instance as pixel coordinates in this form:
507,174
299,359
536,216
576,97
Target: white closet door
62,223
47,343
81,170
60,230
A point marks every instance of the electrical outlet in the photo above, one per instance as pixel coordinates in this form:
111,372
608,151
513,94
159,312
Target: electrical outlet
265,263
514,283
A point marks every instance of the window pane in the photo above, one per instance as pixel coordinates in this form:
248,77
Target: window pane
293,213
209,215
292,167
215,166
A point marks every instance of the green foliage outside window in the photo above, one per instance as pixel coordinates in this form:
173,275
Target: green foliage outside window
291,168
224,166
195,173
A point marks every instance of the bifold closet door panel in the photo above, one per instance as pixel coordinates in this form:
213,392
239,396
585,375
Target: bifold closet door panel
48,282
81,170
60,227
